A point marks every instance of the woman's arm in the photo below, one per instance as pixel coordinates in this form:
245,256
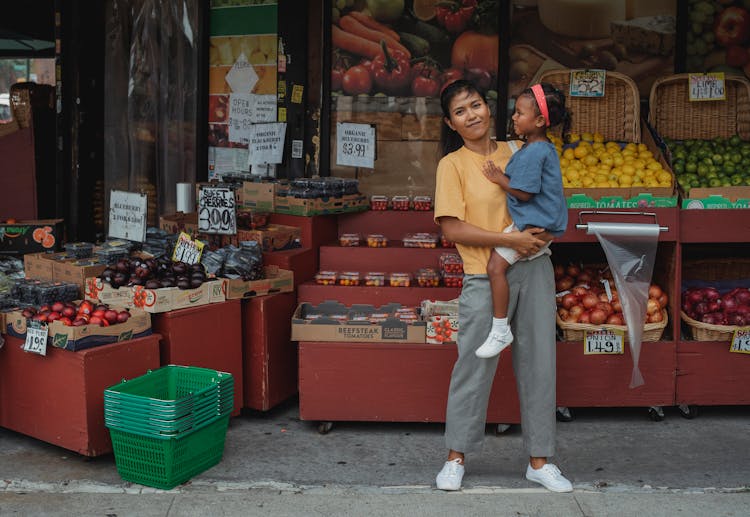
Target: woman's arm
526,242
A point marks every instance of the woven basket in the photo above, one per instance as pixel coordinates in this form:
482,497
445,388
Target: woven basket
616,115
673,116
575,331
716,269
20,104
705,332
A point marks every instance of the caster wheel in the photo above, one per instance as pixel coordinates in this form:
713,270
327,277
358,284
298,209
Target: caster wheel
325,427
656,413
688,411
501,429
563,414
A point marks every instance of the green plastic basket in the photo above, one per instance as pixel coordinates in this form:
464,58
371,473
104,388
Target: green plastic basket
167,461
138,422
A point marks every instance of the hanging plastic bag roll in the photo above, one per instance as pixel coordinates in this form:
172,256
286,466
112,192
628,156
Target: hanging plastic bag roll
631,251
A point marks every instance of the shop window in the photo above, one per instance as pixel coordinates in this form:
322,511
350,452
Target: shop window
12,71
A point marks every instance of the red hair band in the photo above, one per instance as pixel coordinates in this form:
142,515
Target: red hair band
541,100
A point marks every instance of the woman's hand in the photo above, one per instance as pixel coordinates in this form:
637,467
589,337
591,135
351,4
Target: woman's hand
494,173
528,242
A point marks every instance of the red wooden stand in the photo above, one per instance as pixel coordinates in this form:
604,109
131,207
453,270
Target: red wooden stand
269,357
709,374
209,336
391,382
303,261
59,398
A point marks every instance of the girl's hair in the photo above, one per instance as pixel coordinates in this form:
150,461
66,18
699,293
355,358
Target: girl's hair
558,114
450,140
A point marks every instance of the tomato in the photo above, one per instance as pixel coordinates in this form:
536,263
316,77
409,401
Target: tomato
391,71
455,15
732,26
449,76
422,86
356,80
475,50
424,69
337,76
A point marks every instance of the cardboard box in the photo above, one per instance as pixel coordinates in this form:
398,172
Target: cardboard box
258,196
274,237
326,328
39,266
180,222
319,206
97,290
276,281
76,271
85,336
717,198
171,298
32,236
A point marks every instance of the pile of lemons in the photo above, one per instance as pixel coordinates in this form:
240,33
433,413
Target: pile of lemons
594,163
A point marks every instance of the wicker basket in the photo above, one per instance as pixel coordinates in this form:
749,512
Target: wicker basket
616,115
673,116
575,331
716,269
20,102
705,332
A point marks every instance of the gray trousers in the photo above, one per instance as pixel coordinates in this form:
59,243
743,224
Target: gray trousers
532,317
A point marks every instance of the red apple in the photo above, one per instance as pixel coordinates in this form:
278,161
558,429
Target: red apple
52,316
732,26
58,306
65,321
95,320
122,316
111,316
68,311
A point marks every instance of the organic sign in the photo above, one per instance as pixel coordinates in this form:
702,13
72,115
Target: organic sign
266,143
355,145
217,210
127,215
707,87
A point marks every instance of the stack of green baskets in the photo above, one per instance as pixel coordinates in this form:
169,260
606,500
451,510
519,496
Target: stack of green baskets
169,424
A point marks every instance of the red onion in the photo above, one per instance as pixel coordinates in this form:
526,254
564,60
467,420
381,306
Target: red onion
695,296
711,293
700,308
729,303
743,296
709,318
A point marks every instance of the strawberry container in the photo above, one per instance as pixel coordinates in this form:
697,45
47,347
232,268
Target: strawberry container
453,279
427,277
378,202
420,240
422,203
451,263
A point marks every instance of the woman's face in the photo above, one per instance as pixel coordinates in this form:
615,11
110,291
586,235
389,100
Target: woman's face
469,116
525,118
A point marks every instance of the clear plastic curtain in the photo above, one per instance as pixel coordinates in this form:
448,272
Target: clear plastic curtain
631,252
151,87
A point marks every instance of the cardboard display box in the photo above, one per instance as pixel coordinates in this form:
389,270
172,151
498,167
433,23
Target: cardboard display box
717,198
154,300
318,206
180,222
85,336
276,281
61,267
40,265
258,196
32,236
274,237
326,326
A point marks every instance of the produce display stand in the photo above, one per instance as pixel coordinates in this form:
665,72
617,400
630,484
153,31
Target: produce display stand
209,336
59,398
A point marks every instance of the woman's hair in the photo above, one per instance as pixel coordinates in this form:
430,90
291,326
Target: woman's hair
558,114
450,140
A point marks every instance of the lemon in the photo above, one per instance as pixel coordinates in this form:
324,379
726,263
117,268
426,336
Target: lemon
654,166
598,137
587,182
625,180
588,137
569,154
574,137
664,177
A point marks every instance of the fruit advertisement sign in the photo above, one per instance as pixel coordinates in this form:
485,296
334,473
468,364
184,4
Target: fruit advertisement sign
718,36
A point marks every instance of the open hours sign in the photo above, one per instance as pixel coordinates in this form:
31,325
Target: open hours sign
217,211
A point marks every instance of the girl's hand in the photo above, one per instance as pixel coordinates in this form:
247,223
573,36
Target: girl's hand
494,173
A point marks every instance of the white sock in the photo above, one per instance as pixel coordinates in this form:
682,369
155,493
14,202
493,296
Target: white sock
499,324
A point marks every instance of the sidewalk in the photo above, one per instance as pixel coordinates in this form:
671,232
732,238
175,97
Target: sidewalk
619,461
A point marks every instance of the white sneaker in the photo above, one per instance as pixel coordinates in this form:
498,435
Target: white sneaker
550,477
449,478
495,343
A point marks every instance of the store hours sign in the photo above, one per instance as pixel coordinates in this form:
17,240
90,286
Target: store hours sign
355,145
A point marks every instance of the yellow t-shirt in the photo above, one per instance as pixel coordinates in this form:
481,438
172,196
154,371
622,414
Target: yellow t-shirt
462,191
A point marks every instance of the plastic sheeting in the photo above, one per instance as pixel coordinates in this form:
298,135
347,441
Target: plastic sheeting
152,73
631,252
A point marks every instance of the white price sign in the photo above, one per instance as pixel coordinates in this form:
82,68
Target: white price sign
707,87
127,215
741,341
355,145
36,339
217,211
596,342
266,143
187,250
587,83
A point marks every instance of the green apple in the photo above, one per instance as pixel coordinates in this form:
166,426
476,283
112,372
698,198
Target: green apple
386,10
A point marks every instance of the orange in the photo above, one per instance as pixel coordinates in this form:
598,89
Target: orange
38,234
48,241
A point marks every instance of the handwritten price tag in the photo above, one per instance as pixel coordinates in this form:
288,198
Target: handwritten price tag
187,250
587,83
217,210
707,87
741,341
36,339
355,145
597,342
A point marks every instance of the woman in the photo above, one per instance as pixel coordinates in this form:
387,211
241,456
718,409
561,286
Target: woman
472,212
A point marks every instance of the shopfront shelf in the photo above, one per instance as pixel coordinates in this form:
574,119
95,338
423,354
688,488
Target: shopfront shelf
303,261
714,226
391,223
709,374
315,294
389,259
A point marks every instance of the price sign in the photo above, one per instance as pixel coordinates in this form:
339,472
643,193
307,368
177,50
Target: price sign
741,341
127,215
217,210
187,250
266,143
587,83
36,339
355,145
604,341
707,87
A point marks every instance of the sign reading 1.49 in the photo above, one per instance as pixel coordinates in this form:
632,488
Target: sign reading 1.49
603,341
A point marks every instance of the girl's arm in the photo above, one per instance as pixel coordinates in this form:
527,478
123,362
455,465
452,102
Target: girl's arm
496,175
526,242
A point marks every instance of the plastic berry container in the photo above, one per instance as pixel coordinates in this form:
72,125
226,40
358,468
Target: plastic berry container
451,263
326,277
420,240
374,279
453,279
427,277
378,202
445,243
80,249
422,203
349,278
400,203
350,239
399,280
377,240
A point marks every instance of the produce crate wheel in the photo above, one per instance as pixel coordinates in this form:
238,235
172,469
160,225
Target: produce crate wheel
324,427
500,429
656,413
564,414
688,411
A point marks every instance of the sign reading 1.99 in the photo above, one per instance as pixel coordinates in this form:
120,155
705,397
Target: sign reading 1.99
355,145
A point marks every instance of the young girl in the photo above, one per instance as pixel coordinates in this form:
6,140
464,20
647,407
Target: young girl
533,183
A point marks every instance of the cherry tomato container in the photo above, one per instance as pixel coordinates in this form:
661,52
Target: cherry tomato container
350,239
400,203
420,240
377,240
378,202
451,263
374,279
349,278
399,279
422,203
326,277
427,277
